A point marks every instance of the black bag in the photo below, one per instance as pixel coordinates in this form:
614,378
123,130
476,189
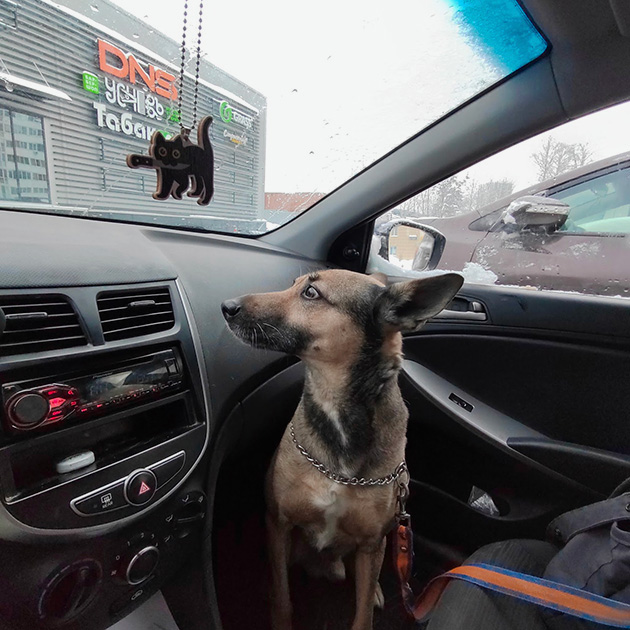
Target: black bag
596,553
594,560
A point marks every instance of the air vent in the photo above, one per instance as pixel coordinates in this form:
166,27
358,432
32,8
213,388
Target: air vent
38,323
126,314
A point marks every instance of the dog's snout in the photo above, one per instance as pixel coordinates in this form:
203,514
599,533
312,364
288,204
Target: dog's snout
231,308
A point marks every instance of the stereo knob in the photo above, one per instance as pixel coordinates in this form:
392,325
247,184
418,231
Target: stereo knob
139,565
29,410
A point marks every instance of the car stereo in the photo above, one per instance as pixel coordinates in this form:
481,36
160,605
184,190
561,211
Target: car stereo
32,405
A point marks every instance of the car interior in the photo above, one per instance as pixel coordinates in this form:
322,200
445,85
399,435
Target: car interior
178,420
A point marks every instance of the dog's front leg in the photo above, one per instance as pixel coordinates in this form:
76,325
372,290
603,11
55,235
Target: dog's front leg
279,540
368,563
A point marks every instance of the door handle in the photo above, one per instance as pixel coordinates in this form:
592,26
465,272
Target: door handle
463,309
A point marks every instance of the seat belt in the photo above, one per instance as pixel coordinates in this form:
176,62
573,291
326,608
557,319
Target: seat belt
553,595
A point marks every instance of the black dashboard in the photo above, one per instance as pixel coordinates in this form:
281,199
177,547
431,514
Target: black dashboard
116,373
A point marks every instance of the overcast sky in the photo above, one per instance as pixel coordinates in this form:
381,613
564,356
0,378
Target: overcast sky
347,80
605,132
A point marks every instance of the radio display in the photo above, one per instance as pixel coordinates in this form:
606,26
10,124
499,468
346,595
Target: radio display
126,383
104,387
133,381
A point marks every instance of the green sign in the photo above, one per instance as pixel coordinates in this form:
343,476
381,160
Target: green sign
225,111
172,115
90,83
228,115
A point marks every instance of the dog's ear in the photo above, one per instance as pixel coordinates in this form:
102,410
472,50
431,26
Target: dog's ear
407,305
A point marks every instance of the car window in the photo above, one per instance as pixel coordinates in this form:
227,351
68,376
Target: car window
601,204
552,212
84,85
23,165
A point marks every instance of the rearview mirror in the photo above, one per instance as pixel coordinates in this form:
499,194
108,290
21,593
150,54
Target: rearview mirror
410,245
532,212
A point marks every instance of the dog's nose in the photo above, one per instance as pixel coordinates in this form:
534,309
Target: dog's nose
230,308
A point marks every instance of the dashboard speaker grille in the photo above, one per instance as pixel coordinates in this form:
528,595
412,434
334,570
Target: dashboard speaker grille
38,323
133,313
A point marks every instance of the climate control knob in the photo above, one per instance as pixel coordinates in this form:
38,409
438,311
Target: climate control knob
28,410
139,565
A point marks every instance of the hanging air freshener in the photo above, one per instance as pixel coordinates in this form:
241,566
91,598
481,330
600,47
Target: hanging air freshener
177,161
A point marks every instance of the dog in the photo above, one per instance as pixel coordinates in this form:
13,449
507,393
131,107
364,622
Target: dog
349,427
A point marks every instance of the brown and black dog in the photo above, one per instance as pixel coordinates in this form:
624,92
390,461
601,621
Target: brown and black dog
346,327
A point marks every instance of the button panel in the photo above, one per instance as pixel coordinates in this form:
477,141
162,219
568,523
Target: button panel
137,489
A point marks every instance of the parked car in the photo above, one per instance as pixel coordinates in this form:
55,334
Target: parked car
568,233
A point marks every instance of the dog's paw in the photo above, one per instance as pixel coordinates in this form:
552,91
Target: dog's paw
379,598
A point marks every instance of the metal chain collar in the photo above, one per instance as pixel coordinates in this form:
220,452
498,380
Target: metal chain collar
348,481
184,130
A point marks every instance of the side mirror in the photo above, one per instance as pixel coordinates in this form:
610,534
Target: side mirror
410,245
533,212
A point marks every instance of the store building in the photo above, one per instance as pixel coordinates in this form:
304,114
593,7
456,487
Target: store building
92,86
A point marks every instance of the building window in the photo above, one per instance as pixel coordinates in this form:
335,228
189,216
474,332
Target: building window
392,250
20,156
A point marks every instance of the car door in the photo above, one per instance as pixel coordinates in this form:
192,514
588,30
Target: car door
517,390
588,253
518,394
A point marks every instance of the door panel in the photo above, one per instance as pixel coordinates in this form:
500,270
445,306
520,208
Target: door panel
528,405
565,391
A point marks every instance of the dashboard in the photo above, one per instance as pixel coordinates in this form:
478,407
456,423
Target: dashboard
116,375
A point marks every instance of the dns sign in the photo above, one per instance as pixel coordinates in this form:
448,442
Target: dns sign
123,65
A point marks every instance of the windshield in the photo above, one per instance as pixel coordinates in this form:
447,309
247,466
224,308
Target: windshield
302,97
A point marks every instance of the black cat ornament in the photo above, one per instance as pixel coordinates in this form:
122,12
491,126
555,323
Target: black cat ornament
178,161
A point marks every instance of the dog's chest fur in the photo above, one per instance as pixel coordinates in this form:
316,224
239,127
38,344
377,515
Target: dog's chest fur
333,503
331,515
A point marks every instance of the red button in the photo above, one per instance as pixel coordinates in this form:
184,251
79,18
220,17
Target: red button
56,415
140,487
56,402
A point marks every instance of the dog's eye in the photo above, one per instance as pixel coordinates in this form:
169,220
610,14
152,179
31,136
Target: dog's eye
310,293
